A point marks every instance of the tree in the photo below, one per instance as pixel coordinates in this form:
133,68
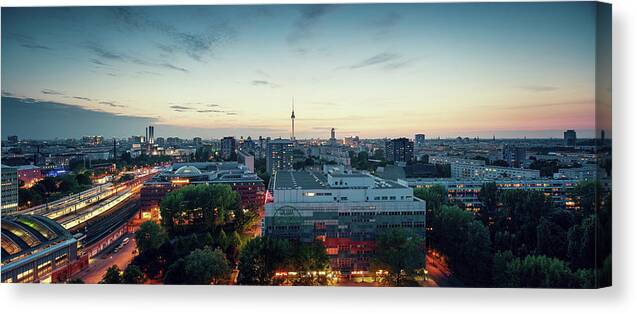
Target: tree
435,196
222,240
197,208
500,272
473,265
537,272
606,273
260,258
309,257
112,276
77,165
83,179
176,273
520,215
465,242
401,253
68,184
154,262
29,197
488,197
582,244
588,197
246,219
133,275
149,236
551,239
202,267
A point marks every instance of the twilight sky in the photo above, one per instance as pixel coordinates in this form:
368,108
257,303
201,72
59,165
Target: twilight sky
509,70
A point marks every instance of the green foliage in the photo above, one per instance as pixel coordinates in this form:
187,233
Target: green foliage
77,165
261,257
83,179
435,196
154,262
537,272
465,242
197,208
520,215
488,196
360,161
200,267
30,197
551,239
260,167
401,253
547,167
309,257
581,243
53,188
606,272
222,239
150,236
246,219
133,275
112,276
588,197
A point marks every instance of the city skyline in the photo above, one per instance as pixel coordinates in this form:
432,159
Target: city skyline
372,71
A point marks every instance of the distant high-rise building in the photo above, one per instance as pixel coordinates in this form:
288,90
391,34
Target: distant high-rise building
248,145
173,141
136,139
570,138
514,155
333,137
228,147
420,140
12,139
197,141
399,149
9,196
160,141
151,135
280,155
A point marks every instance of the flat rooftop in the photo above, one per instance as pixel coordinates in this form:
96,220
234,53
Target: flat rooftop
290,180
315,180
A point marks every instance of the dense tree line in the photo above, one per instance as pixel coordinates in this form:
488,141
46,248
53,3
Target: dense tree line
401,253
202,233
53,188
263,256
519,238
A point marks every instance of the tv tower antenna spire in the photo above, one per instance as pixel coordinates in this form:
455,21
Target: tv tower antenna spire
292,117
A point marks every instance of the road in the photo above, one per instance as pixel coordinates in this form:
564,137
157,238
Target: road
99,264
437,270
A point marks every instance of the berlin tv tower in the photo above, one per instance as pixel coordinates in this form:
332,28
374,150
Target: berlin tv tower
292,117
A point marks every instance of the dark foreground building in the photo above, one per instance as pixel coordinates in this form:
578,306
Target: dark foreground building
36,249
